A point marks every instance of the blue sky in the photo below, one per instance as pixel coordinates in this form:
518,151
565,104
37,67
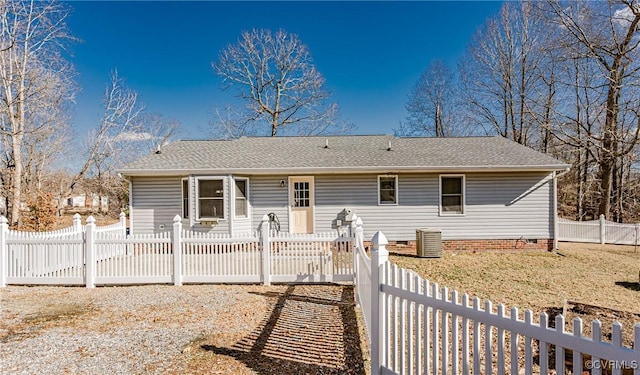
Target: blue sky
370,53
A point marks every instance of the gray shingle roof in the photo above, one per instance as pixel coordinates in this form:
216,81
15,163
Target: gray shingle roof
348,154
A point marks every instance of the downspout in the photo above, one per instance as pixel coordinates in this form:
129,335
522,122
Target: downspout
555,205
232,203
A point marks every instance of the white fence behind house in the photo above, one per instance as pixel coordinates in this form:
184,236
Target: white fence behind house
46,234
117,228
621,234
419,328
599,231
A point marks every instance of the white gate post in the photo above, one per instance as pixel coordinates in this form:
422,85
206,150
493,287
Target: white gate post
90,253
358,242
602,229
359,233
77,223
379,256
354,245
177,250
123,223
266,250
4,254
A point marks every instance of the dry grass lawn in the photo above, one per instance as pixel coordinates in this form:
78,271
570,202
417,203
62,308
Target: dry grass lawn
606,276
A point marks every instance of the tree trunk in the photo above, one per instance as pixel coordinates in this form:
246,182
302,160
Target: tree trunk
438,124
615,198
580,191
16,180
609,140
580,188
606,176
523,66
619,190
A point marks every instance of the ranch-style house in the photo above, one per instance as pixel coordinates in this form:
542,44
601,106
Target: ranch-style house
480,192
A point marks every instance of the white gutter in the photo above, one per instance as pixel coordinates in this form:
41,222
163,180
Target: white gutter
130,203
232,204
342,170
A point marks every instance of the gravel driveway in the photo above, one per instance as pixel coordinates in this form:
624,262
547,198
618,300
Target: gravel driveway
219,329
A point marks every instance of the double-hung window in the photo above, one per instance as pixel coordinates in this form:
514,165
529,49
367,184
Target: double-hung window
387,189
210,202
185,198
241,198
452,194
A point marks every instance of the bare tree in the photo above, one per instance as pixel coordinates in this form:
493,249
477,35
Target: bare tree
274,75
563,77
574,114
34,78
431,104
607,34
46,150
156,131
120,117
125,132
500,74
230,123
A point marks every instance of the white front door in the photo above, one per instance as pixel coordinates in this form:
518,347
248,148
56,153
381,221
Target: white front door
301,204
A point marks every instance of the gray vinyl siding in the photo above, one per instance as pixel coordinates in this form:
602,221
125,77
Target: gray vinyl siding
505,207
267,196
155,201
242,225
335,193
498,206
417,203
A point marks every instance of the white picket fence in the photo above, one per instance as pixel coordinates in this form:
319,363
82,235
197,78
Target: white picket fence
362,275
413,326
221,258
91,255
416,327
599,231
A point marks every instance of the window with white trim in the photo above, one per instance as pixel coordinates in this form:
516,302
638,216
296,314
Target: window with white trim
210,200
388,189
185,198
241,186
452,194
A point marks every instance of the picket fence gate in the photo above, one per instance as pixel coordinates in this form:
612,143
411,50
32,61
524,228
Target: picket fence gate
600,231
415,327
89,255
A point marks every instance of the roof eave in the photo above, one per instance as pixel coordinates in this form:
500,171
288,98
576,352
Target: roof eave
343,170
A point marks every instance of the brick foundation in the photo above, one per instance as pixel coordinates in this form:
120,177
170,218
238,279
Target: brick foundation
543,244
537,244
